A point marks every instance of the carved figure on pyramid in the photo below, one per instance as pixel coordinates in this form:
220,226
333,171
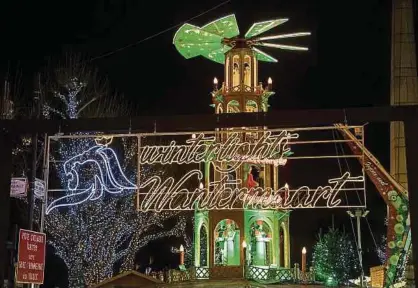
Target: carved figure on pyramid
251,183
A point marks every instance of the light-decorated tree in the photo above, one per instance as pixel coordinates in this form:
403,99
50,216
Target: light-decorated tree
381,249
382,246
334,258
103,233
95,236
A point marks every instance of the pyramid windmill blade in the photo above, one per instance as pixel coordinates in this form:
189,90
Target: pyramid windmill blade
284,47
217,55
191,41
283,36
262,56
225,27
261,27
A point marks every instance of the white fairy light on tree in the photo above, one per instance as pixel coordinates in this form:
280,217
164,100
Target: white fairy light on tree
91,238
381,248
103,233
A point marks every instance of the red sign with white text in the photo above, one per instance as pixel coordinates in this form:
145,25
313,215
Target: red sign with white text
31,257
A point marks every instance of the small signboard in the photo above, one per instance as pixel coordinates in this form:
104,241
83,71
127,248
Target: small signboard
18,187
39,188
31,257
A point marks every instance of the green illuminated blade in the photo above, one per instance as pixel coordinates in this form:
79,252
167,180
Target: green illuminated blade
225,27
217,55
262,56
284,47
191,41
261,27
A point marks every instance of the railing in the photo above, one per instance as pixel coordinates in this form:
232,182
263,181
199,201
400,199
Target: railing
274,275
243,89
259,274
202,272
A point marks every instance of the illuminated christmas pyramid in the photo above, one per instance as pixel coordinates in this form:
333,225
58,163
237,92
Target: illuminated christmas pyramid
226,240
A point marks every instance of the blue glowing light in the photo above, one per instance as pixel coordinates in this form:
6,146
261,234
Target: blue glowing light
107,176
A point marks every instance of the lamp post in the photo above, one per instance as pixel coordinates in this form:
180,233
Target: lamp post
303,259
359,214
181,250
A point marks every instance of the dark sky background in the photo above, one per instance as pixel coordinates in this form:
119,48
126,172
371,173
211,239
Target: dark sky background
348,65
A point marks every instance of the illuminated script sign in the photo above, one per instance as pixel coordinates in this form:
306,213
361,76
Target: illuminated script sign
230,184
212,171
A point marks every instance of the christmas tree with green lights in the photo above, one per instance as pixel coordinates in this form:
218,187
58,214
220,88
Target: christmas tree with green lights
334,258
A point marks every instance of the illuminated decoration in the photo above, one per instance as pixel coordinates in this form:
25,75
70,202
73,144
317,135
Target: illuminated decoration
92,237
80,233
218,37
187,250
285,47
204,149
172,195
236,152
264,26
334,258
103,233
263,56
275,162
109,177
285,36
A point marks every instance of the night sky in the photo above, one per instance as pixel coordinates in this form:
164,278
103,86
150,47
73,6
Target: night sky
348,65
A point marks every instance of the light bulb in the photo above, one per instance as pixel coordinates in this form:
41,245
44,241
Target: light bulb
286,186
215,81
269,81
244,244
181,249
303,250
200,185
